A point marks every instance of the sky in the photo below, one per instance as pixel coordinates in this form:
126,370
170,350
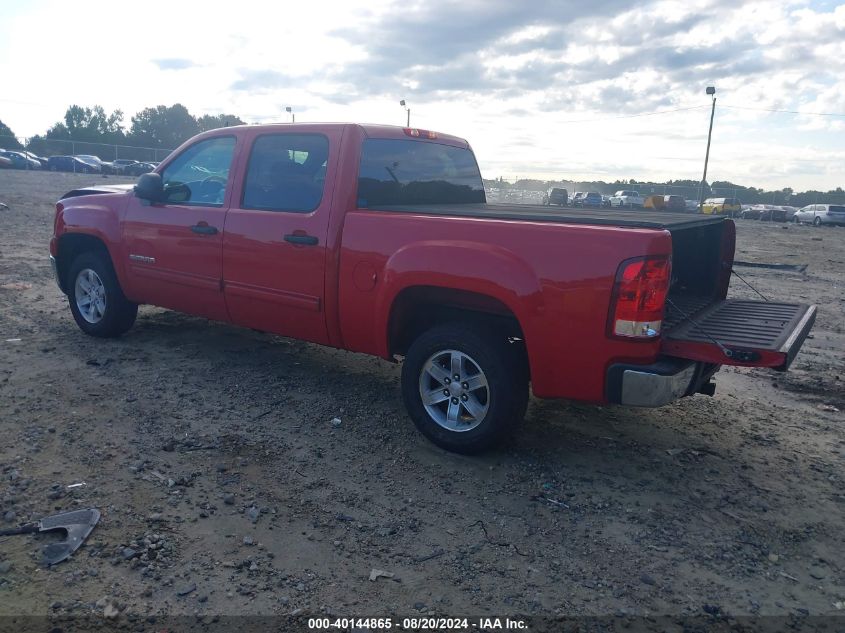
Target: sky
541,89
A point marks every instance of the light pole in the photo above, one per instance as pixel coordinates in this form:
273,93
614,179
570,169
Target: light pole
402,103
292,115
712,92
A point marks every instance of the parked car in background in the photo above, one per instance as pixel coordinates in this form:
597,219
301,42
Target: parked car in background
626,198
654,202
750,212
790,211
20,160
557,196
772,213
691,206
138,168
105,167
721,206
40,159
120,164
591,199
578,198
605,201
674,203
71,163
5,163
818,214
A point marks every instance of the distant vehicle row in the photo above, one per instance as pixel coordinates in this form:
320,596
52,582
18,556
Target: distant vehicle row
89,164
80,163
620,200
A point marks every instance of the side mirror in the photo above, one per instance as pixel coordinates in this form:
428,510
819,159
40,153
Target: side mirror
149,187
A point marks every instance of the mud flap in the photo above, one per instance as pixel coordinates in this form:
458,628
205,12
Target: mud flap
743,333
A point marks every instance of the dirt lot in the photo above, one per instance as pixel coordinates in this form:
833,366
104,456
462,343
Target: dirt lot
225,487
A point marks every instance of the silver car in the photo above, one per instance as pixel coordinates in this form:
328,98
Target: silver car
818,214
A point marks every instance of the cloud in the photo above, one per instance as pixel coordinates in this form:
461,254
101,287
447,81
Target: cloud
174,63
261,80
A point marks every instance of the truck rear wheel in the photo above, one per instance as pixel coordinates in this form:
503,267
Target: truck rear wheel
465,391
96,299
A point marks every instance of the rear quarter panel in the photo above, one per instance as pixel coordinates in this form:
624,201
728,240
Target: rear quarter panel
555,278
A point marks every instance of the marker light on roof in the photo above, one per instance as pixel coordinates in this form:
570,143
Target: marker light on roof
420,133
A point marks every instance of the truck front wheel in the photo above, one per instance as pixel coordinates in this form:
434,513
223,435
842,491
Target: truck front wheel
465,390
96,299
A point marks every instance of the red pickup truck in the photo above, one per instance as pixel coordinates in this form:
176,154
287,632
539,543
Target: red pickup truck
378,240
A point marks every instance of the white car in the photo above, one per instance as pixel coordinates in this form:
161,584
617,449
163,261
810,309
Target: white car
818,214
627,199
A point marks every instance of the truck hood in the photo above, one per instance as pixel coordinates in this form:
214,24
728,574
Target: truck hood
97,189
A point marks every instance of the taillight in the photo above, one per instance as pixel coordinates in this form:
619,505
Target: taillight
639,297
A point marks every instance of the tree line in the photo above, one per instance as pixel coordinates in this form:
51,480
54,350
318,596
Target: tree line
161,127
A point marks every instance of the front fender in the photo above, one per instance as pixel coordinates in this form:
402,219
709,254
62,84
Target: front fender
97,216
475,267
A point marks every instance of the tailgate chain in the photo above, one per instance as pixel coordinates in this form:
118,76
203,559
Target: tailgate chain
727,352
748,284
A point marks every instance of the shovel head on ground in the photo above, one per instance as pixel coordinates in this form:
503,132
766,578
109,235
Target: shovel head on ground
78,524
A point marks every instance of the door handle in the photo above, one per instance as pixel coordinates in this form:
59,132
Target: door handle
305,240
204,229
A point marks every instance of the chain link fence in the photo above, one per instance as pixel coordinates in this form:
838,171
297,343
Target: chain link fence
46,148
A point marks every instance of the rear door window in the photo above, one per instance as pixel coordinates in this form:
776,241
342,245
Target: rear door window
406,172
836,208
286,172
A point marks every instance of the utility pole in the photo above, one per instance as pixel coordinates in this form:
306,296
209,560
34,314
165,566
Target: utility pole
289,110
712,92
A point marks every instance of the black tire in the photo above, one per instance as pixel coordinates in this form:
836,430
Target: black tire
118,314
817,221
506,394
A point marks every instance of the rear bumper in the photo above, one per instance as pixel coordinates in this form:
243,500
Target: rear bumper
657,384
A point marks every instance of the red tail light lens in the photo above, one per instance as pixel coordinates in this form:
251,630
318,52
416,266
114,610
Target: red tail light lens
639,297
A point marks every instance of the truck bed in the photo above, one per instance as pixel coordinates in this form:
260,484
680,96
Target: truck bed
636,218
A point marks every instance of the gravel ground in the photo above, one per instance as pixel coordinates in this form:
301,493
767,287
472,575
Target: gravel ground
226,488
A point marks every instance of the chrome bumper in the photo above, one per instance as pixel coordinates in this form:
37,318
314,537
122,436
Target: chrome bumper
653,385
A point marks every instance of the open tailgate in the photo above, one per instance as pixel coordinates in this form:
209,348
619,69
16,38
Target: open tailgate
739,332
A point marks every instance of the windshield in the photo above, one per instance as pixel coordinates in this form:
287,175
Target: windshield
401,172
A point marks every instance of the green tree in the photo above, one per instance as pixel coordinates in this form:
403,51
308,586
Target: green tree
92,125
208,122
162,126
7,138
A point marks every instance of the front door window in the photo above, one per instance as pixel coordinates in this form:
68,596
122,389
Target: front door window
199,176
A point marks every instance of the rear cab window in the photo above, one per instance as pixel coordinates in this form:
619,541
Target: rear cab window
410,172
